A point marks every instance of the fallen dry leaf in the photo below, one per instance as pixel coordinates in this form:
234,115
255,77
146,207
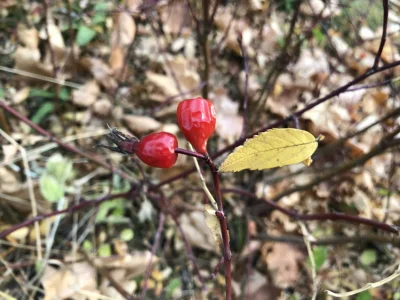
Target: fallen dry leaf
135,263
141,124
197,232
101,72
67,281
229,122
86,95
28,36
9,152
282,261
102,107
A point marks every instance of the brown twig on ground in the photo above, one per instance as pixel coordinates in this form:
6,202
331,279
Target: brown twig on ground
205,47
161,221
268,204
66,146
71,209
189,250
246,85
107,275
334,240
384,33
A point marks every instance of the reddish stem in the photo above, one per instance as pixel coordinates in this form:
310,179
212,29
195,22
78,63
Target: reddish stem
224,228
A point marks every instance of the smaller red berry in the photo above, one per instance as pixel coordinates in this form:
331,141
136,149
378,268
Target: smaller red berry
158,150
196,119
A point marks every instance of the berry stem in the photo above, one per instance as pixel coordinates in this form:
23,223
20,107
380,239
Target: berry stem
190,153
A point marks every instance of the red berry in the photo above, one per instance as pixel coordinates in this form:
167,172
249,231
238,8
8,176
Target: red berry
158,150
196,119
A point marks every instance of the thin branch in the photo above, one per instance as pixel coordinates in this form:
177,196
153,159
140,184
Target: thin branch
224,229
189,250
68,147
114,283
334,240
70,209
367,287
246,85
190,153
308,238
384,33
334,216
31,191
203,182
308,107
161,221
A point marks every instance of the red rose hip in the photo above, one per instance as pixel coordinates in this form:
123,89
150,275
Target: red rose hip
196,119
158,150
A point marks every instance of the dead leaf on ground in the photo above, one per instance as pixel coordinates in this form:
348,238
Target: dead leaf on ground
86,95
9,183
141,124
102,107
28,36
175,16
122,36
212,223
282,262
27,59
9,152
135,263
101,72
197,232
229,122
67,281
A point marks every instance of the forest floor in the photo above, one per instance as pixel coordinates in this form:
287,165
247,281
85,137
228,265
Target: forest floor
69,70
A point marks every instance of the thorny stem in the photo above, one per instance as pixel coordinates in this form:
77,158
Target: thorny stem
224,228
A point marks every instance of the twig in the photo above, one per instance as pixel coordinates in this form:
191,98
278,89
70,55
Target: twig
224,229
308,238
205,46
189,153
68,147
69,209
203,182
367,287
216,268
41,77
246,85
107,275
154,248
334,240
300,112
189,250
311,217
384,33
30,190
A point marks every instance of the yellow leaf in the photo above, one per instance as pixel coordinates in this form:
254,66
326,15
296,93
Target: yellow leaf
274,148
212,222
